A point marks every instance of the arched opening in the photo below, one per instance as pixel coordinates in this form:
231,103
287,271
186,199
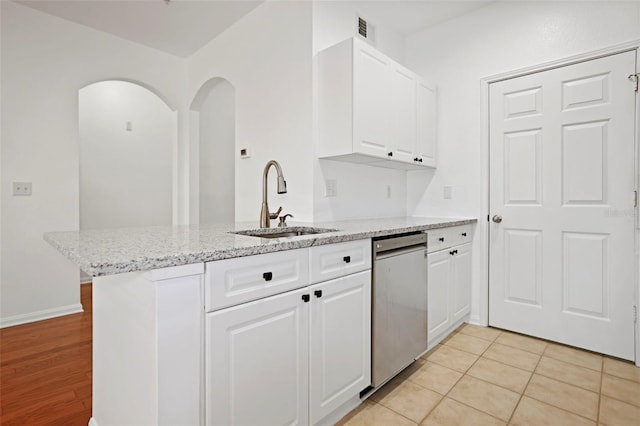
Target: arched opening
212,119
127,136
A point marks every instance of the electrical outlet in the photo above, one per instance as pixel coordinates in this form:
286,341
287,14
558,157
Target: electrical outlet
447,192
331,188
21,188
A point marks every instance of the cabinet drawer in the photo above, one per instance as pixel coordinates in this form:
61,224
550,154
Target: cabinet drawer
232,281
438,239
336,260
461,234
443,238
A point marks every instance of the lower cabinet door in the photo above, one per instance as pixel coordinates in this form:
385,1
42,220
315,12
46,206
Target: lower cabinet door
340,346
461,279
256,362
439,288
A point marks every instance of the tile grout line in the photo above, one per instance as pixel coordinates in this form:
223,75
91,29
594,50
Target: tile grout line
570,384
465,373
613,397
600,391
527,385
452,386
521,394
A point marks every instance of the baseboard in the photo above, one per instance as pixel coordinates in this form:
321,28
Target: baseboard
40,315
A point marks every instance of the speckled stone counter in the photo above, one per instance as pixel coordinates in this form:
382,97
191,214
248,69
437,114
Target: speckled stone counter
115,251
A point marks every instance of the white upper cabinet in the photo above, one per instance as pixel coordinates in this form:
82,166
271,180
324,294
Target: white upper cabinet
371,106
426,145
373,110
403,112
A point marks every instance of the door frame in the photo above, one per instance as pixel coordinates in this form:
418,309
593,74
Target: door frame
483,232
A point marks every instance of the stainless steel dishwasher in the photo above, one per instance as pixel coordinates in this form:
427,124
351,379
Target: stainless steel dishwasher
399,323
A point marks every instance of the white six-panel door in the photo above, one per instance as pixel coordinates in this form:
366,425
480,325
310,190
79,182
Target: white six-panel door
562,181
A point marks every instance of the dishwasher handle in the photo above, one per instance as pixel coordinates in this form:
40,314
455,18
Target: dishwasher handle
409,242
401,251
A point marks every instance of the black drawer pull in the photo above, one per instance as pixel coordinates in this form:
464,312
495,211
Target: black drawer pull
452,252
441,239
318,293
420,160
267,276
390,154
347,259
305,298
464,234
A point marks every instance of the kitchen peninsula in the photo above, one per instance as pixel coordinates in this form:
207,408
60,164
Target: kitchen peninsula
164,298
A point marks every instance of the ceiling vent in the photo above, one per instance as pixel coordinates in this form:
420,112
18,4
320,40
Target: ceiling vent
362,27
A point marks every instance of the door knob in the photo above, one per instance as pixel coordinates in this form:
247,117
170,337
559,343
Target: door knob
497,218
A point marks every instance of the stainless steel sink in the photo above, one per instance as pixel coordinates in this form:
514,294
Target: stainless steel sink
288,232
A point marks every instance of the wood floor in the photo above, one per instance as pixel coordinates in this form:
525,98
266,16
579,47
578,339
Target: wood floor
45,370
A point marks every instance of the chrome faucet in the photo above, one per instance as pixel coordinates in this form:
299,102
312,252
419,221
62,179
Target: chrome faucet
265,215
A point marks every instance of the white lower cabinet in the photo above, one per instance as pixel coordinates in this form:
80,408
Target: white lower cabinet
289,359
461,281
449,290
256,362
340,342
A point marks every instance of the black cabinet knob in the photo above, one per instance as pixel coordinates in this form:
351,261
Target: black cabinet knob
452,252
441,239
267,276
420,160
347,259
318,293
390,154
305,298
415,159
464,234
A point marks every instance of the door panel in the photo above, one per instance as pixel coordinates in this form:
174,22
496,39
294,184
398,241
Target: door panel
461,271
426,146
404,113
340,342
523,266
256,362
439,289
562,178
371,94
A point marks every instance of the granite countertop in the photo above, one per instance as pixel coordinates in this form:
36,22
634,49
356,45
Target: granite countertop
115,251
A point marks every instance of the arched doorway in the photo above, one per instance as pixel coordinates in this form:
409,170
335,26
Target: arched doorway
212,118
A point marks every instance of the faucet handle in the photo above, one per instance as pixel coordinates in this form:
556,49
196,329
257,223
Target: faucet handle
275,215
283,219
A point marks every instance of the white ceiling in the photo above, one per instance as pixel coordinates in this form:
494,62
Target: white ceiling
181,27
409,16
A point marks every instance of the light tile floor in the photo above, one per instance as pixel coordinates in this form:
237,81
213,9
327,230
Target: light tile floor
486,376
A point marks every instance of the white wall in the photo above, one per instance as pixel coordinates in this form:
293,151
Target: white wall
361,190
217,155
335,21
457,54
266,56
45,61
127,135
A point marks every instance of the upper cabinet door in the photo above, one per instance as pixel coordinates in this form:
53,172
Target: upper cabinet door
426,145
403,104
371,101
